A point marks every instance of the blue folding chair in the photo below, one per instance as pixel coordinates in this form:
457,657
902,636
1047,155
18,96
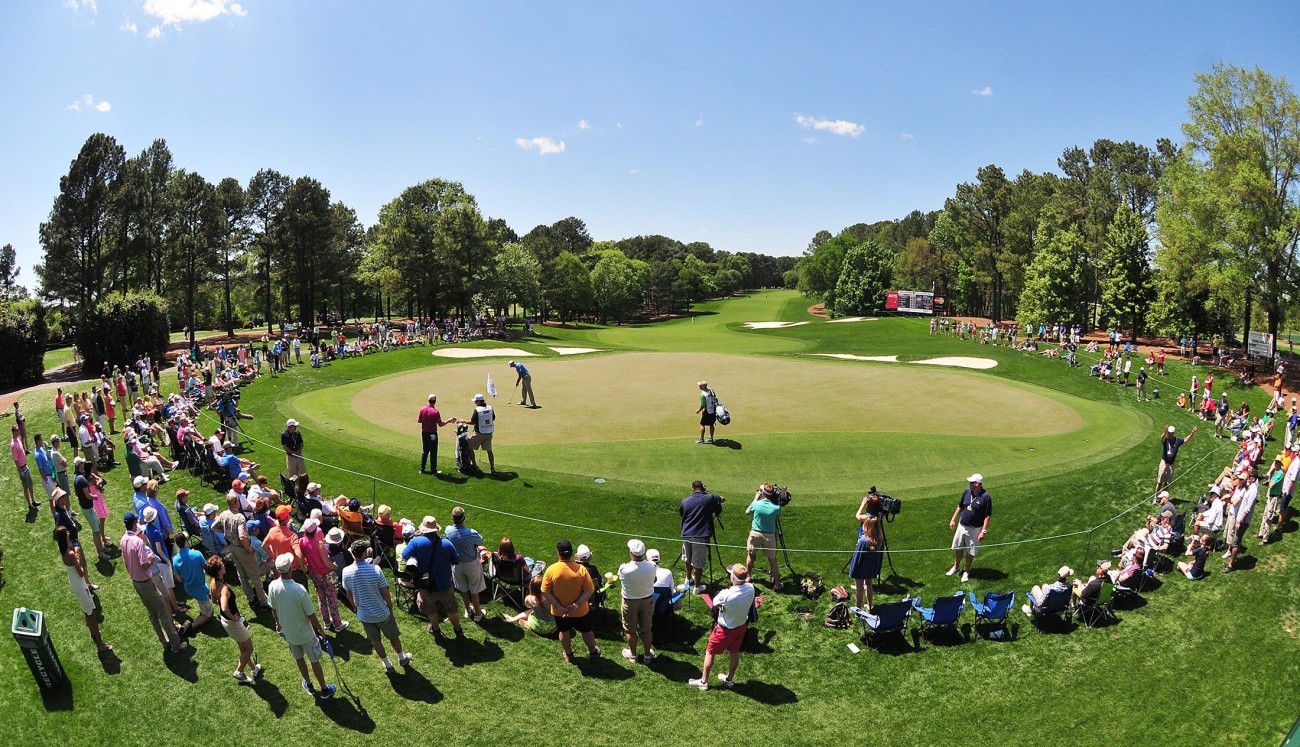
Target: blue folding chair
994,608
944,614
884,619
1055,606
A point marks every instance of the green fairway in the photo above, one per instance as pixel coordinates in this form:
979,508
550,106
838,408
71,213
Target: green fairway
57,357
1063,456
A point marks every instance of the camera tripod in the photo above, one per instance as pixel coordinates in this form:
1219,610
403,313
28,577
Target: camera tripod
714,550
780,542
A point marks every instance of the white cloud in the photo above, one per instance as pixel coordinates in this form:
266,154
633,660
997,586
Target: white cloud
835,127
544,145
88,5
154,32
699,121
906,136
177,12
130,26
584,124
985,91
810,140
88,102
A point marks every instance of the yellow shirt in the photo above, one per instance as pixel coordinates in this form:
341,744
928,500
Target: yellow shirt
566,581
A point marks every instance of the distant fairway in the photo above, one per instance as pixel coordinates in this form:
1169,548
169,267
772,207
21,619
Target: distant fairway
631,417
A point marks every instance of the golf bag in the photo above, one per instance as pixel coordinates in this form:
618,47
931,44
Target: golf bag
464,461
719,409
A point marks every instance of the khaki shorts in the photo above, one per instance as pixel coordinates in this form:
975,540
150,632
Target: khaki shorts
638,615
440,604
236,629
966,538
467,577
696,550
1166,473
760,541
311,651
386,629
481,441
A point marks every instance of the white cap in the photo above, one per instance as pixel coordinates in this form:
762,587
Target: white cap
652,555
1163,494
288,423
209,508
636,547
149,514
433,398
1064,571
582,553
1170,429
284,562
140,481
479,398
977,477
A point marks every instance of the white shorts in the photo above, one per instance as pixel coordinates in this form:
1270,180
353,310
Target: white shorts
966,538
163,570
467,577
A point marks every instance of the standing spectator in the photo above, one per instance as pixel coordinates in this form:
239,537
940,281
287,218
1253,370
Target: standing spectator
232,622
1241,506
1142,384
369,590
44,464
566,587
1272,506
1169,446
430,420
637,580
971,522
467,576
162,566
80,583
20,461
234,526
60,463
187,565
868,555
324,574
762,531
697,512
433,557
139,560
526,379
281,539
295,620
291,440
733,605
20,422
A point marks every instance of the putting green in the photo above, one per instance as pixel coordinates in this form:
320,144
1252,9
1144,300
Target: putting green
833,426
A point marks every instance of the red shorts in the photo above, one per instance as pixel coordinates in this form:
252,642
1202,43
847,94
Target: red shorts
723,639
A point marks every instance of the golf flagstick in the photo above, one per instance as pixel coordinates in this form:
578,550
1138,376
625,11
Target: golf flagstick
491,387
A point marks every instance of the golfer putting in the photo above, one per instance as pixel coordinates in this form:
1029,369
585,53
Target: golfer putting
525,378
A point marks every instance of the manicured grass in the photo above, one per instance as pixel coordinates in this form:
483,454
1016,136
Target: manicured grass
57,357
1223,648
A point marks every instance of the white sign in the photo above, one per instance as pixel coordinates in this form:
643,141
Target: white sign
1259,343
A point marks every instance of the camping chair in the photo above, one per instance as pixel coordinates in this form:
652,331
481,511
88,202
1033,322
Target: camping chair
944,614
403,583
384,543
353,524
1055,606
510,579
886,618
1101,610
667,600
133,464
994,609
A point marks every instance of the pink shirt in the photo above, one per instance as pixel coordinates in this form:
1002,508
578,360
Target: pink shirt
312,547
137,557
430,419
20,454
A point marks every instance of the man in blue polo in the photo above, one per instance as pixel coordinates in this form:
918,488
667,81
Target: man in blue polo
431,557
971,524
526,379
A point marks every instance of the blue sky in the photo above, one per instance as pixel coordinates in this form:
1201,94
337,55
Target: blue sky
749,125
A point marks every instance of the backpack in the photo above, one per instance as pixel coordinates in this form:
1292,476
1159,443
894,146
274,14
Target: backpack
812,585
838,617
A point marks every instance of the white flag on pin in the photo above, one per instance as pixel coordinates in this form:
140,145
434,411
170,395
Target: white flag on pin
492,387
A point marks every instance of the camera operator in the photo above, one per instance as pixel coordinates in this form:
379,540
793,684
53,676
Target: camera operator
762,531
869,554
697,512
971,522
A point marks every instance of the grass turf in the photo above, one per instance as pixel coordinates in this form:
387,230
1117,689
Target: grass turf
1224,647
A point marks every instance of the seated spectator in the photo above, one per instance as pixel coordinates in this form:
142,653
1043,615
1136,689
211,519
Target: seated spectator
384,515
1155,535
1039,593
189,519
583,557
663,576
505,558
1088,593
1199,550
1211,518
262,514
213,541
537,615
1130,566
233,465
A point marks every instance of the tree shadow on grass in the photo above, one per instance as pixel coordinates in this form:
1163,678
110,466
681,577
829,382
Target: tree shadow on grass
766,692
275,700
467,652
412,685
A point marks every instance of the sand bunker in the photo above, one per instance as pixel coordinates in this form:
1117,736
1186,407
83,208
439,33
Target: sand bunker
851,357
575,351
772,325
960,361
481,353
852,319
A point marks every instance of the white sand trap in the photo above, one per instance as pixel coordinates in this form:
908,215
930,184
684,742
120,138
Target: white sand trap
772,325
852,319
575,351
960,361
454,352
851,357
